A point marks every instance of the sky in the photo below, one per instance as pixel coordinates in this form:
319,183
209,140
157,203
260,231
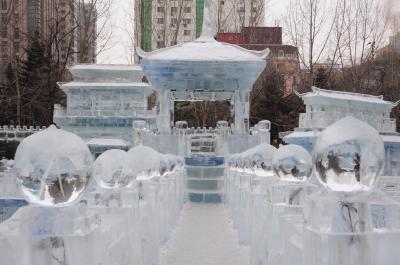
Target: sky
119,48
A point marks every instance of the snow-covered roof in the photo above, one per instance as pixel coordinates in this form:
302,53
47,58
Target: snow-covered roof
312,134
107,142
107,72
204,49
139,87
108,67
345,96
104,84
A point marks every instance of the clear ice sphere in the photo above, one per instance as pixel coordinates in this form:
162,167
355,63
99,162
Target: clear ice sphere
349,156
145,160
53,167
292,163
113,169
262,156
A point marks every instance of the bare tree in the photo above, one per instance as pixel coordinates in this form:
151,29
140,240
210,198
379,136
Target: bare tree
94,28
309,25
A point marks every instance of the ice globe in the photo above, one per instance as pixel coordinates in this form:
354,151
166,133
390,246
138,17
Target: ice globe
53,167
292,163
262,158
164,167
145,160
113,169
349,156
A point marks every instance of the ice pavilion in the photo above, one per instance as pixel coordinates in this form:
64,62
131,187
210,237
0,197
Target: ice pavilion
325,107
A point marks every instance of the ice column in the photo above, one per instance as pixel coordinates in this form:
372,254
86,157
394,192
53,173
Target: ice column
241,108
164,117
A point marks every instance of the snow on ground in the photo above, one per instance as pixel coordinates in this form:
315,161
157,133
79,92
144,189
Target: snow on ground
204,236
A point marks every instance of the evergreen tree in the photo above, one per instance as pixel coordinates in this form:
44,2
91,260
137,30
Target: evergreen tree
268,102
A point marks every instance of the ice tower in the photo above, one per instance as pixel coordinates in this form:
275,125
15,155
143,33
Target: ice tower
103,101
325,107
203,70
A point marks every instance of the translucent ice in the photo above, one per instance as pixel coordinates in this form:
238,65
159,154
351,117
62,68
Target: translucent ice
53,167
145,161
349,156
113,169
262,156
292,163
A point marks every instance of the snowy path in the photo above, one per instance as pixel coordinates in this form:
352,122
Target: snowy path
204,236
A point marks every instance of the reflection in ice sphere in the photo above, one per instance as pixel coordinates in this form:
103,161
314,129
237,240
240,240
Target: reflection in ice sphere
145,161
292,163
53,167
349,156
113,169
262,156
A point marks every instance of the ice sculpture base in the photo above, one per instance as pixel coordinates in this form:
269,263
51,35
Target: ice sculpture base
352,229
48,235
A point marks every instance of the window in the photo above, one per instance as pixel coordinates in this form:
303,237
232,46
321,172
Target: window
160,44
160,20
174,22
187,21
160,9
268,39
187,32
222,3
281,53
174,10
187,9
3,4
173,43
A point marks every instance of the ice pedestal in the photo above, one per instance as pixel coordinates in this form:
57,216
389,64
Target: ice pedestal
259,218
362,229
119,213
149,213
47,235
284,200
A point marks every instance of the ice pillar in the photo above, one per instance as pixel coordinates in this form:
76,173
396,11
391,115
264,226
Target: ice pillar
164,115
241,108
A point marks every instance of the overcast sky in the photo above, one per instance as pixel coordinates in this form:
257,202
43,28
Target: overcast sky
118,52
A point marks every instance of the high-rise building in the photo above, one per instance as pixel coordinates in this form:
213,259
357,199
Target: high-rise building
163,23
87,32
69,24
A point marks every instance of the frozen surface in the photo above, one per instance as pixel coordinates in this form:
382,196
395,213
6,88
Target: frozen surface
204,237
349,159
53,167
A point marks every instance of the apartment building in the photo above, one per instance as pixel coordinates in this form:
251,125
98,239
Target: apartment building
163,23
23,21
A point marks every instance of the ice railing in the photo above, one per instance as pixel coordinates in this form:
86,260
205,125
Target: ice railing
108,226
137,112
323,119
274,233
17,132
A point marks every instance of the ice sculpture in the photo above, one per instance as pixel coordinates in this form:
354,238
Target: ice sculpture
349,161
112,169
350,222
292,163
53,167
285,199
145,161
204,65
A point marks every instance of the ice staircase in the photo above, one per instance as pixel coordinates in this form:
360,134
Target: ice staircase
204,169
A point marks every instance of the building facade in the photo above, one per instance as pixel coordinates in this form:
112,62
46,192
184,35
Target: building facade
23,21
283,58
162,23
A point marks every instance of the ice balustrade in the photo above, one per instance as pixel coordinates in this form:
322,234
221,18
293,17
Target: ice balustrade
118,209
322,119
18,133
338,217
